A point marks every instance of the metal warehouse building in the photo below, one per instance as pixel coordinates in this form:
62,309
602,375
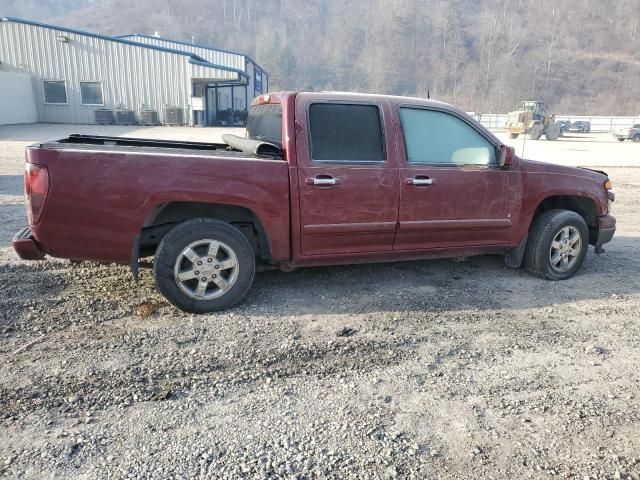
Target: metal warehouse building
81,77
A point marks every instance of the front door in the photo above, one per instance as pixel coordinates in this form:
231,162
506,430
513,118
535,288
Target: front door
453,193
348,181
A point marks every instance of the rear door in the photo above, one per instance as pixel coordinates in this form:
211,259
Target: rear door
453,193
347,176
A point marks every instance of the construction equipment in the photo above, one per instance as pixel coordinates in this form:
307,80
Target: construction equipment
532,119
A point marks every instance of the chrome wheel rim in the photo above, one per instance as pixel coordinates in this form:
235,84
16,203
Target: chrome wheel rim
206,269
565,249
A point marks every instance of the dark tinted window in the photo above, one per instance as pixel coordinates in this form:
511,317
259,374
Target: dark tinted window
433,137
345,133
265,123
91,93
55,91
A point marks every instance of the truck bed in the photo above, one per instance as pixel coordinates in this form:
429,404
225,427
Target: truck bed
104,190
143,145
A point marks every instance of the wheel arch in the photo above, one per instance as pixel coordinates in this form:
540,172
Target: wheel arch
164,216
584,206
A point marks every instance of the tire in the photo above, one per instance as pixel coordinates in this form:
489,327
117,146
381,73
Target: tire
621,139
228,272
544,233
553,132
636,138
513,135
535,132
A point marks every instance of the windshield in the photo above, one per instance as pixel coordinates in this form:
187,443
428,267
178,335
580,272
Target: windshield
265,123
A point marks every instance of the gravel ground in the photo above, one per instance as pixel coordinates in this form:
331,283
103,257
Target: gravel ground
433,369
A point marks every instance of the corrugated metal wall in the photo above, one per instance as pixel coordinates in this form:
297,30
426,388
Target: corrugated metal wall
17,104
131,75
227,59
219,57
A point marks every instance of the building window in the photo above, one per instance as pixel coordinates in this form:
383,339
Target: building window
91,93
55,92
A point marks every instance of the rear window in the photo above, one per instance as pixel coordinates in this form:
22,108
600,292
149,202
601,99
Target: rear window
265,123
346,133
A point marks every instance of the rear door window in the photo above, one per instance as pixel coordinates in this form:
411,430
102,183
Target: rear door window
346,133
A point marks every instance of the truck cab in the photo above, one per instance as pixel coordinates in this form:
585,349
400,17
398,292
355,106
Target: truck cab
539,109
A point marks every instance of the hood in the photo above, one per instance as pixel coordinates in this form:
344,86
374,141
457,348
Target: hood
534,166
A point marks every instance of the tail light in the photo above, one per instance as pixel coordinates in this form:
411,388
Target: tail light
36,187
262,99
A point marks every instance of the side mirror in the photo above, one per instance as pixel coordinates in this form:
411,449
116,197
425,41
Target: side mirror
505,156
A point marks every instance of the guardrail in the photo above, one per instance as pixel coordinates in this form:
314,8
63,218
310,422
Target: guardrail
496,121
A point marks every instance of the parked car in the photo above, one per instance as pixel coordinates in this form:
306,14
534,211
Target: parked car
581,126
632,133
321,179
564,125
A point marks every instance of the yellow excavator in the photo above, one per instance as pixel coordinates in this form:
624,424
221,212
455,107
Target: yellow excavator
532,119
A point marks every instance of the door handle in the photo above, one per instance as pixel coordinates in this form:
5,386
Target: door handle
420,181
322,181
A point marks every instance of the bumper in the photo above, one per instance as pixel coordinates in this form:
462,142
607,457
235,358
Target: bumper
26,246
606,230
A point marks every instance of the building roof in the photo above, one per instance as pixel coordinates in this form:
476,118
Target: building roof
197,45
193,58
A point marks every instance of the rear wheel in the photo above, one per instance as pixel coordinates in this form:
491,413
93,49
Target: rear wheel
636,138
621,139
513,135
204,265
557,245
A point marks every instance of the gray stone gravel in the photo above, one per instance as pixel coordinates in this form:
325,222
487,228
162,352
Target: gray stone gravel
416,370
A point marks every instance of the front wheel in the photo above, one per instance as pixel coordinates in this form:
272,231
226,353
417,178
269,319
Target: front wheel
513,136
621,139
636,138
535,132
553,132
203,265
557,245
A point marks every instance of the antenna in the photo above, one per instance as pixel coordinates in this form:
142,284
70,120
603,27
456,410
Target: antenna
428,94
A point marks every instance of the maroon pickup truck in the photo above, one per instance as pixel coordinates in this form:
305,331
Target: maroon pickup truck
320,179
